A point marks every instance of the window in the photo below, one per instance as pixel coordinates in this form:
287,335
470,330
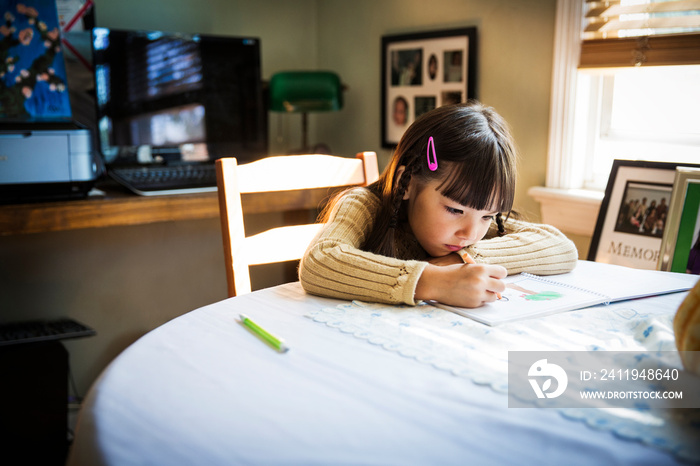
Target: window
609,100
622,87
636,114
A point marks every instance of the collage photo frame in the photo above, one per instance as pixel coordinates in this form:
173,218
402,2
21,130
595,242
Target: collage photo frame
423,71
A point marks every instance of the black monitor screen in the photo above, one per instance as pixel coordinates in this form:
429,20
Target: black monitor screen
169,97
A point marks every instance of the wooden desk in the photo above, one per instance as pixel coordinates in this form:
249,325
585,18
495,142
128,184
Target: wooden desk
114,209
118,208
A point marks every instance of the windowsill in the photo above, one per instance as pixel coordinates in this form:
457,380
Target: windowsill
570,210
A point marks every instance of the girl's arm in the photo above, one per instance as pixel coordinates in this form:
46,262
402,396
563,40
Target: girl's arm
336,267
526,247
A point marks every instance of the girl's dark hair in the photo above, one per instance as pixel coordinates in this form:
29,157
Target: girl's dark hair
476,166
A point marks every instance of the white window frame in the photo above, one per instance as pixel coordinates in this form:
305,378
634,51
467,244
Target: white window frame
564,171
564,202
580,128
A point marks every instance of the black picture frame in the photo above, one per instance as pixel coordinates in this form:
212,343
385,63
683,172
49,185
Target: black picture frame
624,233
411,85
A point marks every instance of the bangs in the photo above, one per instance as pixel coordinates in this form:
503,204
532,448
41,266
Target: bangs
483,184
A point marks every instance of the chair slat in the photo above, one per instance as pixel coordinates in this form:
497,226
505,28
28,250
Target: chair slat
284,184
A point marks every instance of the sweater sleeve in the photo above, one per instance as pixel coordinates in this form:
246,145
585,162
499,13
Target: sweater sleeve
527,247
336,267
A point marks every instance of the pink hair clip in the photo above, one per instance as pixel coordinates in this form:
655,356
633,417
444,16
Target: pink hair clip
432,164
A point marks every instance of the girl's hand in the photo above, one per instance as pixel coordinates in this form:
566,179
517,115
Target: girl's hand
450,259
463,285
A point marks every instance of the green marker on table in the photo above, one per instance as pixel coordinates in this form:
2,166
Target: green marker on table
276,343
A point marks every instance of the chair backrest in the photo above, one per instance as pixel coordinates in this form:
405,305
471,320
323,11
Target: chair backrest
287,183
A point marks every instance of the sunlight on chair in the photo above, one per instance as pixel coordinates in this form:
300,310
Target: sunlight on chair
288,184
290,172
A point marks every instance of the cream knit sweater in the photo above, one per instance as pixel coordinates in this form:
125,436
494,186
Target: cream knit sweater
336,267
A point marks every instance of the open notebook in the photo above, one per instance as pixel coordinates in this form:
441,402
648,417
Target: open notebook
589,284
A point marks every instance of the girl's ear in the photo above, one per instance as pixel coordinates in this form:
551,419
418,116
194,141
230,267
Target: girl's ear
407,194
399,172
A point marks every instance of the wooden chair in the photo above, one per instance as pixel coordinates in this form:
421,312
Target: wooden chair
289,184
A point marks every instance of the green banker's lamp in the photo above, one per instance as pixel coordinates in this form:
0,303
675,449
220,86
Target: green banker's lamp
304,92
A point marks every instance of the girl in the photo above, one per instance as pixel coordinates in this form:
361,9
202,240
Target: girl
432,227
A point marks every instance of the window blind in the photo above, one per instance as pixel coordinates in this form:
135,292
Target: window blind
640,33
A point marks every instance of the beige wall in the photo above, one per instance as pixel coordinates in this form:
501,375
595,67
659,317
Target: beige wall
515,47
122,281
125,281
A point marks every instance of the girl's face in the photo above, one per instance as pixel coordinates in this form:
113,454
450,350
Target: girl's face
441,225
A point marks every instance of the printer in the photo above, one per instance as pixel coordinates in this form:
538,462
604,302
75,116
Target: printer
46,161
47,136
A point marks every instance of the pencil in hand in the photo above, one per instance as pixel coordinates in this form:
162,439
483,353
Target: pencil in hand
468,260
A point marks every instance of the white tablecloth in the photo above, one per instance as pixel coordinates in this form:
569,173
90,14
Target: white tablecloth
203,390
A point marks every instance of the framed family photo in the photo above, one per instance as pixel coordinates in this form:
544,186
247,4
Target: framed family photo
634,214
423,71
680,246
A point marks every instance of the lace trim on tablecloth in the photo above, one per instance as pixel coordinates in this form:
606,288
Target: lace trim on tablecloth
478,352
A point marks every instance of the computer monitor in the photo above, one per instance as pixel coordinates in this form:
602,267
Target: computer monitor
173,98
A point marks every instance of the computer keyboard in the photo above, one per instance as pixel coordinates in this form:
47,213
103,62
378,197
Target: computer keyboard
167,177
42,330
